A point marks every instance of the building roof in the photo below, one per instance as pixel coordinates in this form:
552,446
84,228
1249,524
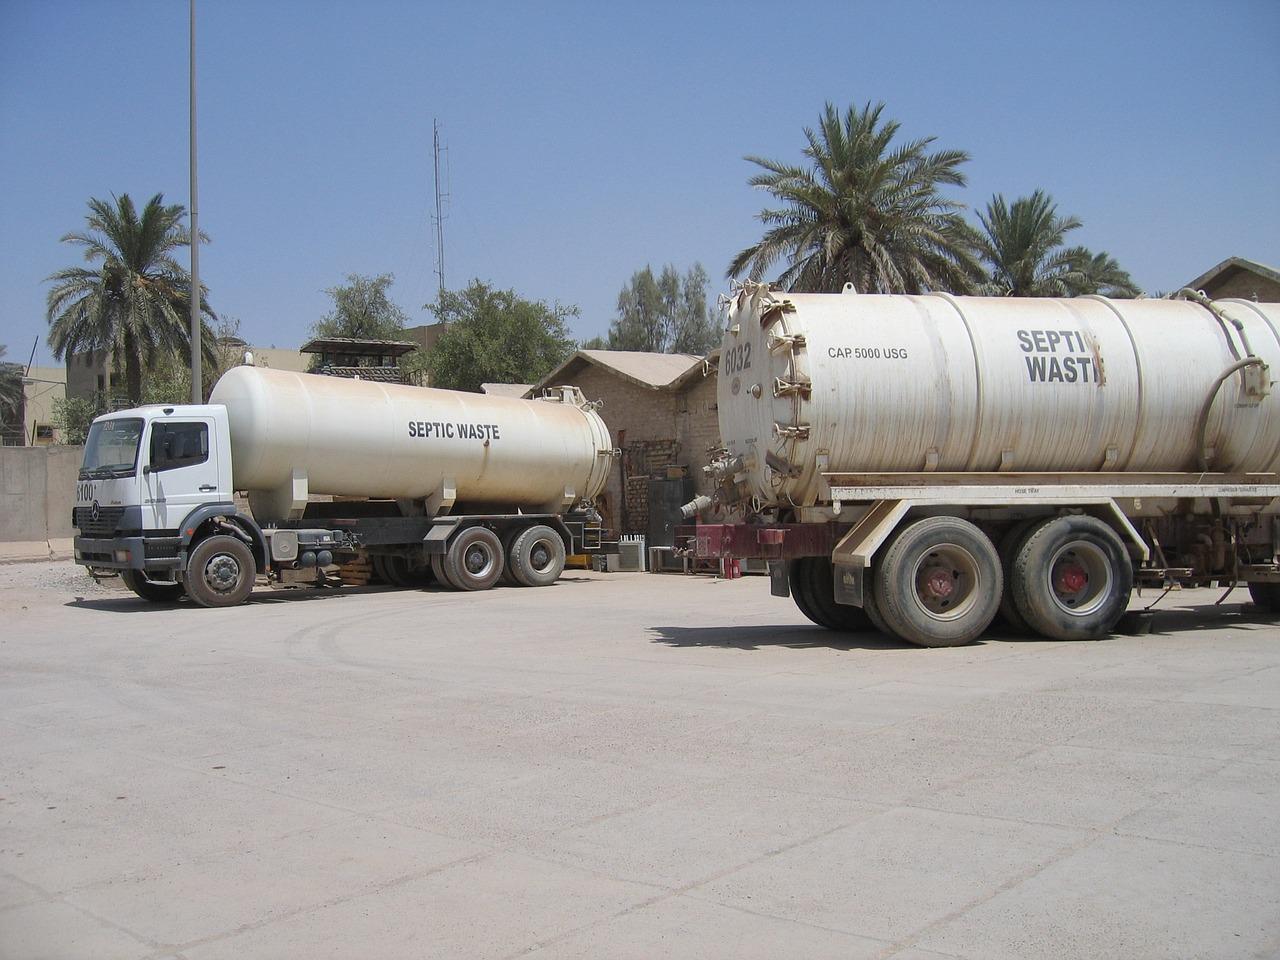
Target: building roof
652,371
506,389
358,347
1231,265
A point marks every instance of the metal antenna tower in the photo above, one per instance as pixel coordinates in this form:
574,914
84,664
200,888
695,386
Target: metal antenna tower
442,197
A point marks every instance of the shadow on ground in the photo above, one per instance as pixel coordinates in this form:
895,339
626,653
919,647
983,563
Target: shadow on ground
789,636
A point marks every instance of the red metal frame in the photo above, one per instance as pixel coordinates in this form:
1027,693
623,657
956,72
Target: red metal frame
759,541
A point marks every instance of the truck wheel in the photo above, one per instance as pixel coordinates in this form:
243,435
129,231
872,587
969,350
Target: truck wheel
152,590
939,583
1072,578
818,575
1266,596
474,560
436,562
799,584
220,572
395,570
537,557
869,605
1010,544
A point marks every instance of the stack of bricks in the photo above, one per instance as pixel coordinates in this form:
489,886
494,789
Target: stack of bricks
641,461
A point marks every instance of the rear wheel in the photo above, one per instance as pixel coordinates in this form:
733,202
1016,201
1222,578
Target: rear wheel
938,583
816,576
153,590
799,585
1072,578
220,572
396,571
1266,596
436,562
474,560
1010,544
536,558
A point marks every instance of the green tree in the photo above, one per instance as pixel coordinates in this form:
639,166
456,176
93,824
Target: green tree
11,392
136,302
664,314
1100,273
73,415
362,310
863,210
1024,247
169,380
496,336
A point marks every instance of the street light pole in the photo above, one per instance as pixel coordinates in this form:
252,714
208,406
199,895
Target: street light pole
197,342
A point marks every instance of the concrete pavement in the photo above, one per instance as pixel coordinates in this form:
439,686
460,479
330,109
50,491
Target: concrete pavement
623,766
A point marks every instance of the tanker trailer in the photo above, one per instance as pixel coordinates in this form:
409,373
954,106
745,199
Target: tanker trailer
464,487
922,464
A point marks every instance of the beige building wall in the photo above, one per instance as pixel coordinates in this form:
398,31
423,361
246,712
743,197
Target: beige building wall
684,419
42,388
1246,286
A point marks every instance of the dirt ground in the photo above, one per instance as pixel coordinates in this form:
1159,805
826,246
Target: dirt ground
624,766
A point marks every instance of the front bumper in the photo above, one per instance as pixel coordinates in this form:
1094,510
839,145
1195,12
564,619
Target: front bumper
126,553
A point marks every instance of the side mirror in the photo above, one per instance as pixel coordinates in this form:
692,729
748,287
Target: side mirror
146,468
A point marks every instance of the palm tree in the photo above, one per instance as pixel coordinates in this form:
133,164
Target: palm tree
11,392
1100,273
136,303
864,211
1024,246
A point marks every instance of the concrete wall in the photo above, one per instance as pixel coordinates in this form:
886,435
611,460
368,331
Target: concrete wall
37,491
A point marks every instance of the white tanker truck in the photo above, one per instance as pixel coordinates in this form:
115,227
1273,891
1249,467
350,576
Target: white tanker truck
924,463
467,487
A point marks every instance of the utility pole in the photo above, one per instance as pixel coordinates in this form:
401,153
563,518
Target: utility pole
441,197
197,342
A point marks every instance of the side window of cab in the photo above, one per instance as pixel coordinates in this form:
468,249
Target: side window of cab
176,444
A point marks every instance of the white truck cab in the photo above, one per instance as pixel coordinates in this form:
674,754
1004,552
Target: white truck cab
154,501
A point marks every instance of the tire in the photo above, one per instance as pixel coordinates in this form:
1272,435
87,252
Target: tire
1266,596
799,584
474,560
378,562
395,570
436,562
1010,544
869,605
939,583
152,590
220,572
536,557
1072,578
819,577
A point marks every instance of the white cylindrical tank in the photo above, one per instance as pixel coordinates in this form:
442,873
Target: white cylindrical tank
830,383
302,433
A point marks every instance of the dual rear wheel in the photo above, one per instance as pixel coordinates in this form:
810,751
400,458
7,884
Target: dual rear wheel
940,581
477,559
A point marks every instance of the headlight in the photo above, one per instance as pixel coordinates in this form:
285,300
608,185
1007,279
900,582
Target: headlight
122,556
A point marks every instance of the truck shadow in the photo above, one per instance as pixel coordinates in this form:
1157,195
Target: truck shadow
789,636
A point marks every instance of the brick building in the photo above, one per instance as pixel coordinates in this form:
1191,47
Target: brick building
1238,277
661,412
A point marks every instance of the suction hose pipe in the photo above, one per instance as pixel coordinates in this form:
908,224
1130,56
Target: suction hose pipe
695,507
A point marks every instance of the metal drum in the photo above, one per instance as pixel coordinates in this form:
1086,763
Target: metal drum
818,383
361,438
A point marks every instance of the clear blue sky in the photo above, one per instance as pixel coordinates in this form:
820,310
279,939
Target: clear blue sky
586,140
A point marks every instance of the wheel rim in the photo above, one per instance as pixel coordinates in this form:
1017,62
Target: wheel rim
948,582
1080,577
541,557
222,573
478,560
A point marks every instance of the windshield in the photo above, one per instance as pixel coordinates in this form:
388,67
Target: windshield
111,449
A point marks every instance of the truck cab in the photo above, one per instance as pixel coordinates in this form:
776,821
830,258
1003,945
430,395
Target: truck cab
154,502
145,472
